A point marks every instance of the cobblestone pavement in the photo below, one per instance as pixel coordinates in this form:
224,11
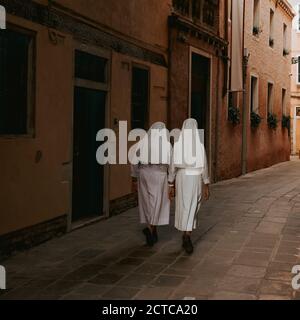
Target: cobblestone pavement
247,244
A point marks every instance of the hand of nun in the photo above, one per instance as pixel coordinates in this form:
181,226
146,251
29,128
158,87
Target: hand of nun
206,192
171,193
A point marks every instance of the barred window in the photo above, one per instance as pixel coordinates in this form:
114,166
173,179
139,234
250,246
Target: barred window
209,12
203,11
196,9
182,6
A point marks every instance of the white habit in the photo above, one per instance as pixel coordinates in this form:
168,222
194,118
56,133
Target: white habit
153,196
189,181
153,190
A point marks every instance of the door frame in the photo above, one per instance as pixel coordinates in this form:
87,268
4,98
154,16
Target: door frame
210,58
95,86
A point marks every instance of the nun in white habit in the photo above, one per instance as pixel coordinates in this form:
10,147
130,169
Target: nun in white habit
150,178
190,172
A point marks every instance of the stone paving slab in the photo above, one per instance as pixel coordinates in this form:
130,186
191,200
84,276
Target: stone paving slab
245,248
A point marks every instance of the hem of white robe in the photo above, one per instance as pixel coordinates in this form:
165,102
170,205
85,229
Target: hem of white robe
159,224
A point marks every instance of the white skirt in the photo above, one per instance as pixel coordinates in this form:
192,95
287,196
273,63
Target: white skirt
153,195
188,200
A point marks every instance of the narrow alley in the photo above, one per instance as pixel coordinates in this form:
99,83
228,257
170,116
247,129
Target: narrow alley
245,248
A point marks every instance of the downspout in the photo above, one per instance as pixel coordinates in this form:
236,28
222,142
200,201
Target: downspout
224,56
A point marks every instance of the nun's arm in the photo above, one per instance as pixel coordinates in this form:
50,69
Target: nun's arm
205,175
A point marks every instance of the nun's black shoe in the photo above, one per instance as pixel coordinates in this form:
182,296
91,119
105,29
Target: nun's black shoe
154,236
149,237
187,244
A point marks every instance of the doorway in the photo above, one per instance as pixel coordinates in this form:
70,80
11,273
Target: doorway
88,175
89,116
200,92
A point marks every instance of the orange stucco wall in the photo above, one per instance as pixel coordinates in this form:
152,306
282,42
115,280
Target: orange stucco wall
143,20
30,192
121,109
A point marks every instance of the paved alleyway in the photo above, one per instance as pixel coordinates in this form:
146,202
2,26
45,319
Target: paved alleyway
248,242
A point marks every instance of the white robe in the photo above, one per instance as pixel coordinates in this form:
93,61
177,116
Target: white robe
188,195
153,194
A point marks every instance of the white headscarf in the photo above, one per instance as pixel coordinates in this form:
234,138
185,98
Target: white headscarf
189,151
155,147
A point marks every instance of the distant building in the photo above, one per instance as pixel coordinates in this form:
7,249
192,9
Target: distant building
198,46
268,40
295,83
267,44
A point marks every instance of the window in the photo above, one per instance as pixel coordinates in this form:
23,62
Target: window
233,99
205,11
90,67
285,49
271,36
270,97
16,82
298,75
196,9
256,17
230,10
254,94
182,6
283,103
140,97
209,12
298,27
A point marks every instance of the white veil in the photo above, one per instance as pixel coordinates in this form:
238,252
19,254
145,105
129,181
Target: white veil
189,151
155,147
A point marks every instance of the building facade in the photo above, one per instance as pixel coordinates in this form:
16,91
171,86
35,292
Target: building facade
268,40
69,69
74,67
295,83
267,60
198,47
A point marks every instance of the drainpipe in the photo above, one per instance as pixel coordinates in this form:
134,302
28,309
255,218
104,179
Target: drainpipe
220,97
245,111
